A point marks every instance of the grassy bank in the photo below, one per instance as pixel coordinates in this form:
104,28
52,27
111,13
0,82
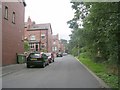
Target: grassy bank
101,71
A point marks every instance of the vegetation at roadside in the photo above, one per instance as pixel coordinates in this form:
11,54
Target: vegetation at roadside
26,46
95,36
100,69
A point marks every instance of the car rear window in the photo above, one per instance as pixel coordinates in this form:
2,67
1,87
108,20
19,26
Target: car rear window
35,55
59,53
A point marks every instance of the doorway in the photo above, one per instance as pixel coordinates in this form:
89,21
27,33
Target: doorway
36,47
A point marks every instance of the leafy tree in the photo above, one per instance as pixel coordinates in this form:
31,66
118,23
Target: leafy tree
99,32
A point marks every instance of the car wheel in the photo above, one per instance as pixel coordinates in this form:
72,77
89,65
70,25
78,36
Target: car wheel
53,60
43,65
28,66
48,63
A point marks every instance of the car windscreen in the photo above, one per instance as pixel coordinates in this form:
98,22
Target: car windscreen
35,55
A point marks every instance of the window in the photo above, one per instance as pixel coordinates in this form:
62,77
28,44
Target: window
55,48
13,18
54,42
6,12
42,36
32,37
42,46
31,45
35,55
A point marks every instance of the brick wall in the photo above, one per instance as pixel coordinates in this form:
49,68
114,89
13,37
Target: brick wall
12,33
0,33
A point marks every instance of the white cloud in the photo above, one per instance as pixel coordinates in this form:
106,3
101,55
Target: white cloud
56,12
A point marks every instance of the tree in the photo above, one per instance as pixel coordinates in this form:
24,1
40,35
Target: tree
99,32
26,46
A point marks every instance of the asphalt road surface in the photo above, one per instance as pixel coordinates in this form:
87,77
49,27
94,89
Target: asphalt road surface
65,72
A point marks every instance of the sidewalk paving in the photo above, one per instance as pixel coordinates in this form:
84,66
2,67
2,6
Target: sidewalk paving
5,70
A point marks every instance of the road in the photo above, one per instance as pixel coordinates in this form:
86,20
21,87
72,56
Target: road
65,72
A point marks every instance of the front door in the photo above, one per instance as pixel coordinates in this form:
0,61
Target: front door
36,47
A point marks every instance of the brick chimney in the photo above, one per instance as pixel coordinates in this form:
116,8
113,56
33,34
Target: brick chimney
29,22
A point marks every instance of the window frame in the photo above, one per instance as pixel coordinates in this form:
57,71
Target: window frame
32,38
6,13
54,43
13,17
42,36
31,45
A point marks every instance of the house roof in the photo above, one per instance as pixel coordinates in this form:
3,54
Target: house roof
33,26
45,26
55,37
40,26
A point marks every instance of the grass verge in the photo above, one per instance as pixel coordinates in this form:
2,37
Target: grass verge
101,71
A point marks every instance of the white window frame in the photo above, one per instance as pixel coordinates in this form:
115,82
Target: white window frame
13,18
43,36
31,45
54,42
6,13
32,37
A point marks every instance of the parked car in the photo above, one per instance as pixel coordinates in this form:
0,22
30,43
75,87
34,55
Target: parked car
37,59
59,54
50,57
64,54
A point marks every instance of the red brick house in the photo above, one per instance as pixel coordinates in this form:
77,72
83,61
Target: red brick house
57,44
62,47
39,36
0,33
12,31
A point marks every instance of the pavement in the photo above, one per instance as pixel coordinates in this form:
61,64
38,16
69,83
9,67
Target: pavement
5,70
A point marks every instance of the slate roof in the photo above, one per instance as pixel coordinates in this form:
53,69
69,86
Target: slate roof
41,26
44,26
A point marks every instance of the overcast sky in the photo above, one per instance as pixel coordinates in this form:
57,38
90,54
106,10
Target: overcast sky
56,12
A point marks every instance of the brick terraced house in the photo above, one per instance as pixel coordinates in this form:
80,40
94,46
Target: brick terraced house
39,36
57,44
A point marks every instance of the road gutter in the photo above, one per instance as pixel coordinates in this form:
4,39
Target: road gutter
102,83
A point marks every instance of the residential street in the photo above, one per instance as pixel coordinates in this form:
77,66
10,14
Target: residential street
65,72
